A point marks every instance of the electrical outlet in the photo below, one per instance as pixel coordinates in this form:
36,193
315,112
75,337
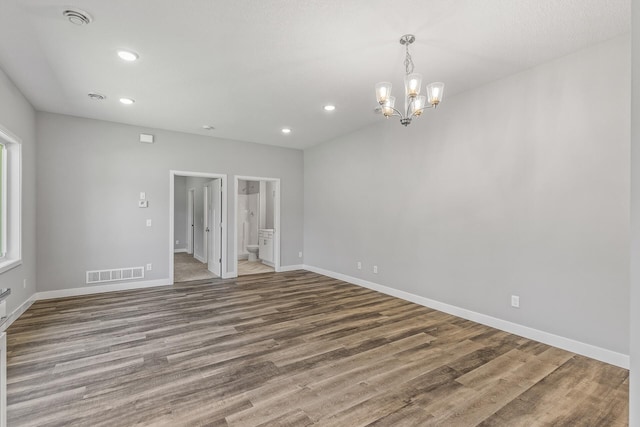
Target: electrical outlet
359,265
515,301
24,284
177,242
375,269
299,254
148,223
149,267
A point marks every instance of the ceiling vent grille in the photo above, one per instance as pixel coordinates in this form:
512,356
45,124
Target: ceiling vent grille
77,17
101,276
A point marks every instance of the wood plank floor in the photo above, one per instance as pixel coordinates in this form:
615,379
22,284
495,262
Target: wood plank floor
289,349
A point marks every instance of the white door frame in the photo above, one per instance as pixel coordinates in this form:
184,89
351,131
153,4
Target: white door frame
191,192
276,221
3,379
205,222
214,225
172,174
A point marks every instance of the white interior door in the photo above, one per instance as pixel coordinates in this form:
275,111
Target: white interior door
190,220
215,227
205,223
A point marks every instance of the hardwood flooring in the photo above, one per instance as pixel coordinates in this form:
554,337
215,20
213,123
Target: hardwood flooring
289,349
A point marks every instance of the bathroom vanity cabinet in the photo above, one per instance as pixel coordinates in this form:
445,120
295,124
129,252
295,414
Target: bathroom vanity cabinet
265,244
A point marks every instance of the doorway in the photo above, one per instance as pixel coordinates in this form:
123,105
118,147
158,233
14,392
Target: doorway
257,225
198,218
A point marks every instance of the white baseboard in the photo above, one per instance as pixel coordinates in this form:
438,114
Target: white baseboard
584,349
284,268
199,258
88,290
18,312
180,250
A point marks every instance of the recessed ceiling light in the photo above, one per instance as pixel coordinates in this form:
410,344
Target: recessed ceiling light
329,107
208,127
127,101
127,55
77,16
286,130
96,96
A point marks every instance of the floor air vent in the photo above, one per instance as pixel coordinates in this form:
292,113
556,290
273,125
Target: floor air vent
100,276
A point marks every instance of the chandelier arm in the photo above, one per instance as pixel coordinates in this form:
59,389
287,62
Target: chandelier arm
398,113
421,109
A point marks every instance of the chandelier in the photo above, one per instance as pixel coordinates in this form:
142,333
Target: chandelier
414,103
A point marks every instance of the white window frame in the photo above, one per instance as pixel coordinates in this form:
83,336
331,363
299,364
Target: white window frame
12,203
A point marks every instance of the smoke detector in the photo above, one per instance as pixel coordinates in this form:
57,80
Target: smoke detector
77,16
96,96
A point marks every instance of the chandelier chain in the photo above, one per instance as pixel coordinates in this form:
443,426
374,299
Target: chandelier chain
408,61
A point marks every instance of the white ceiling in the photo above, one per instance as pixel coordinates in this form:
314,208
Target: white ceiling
251,67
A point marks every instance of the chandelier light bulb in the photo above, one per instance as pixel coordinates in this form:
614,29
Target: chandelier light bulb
434,92
387,106
412,84
383,92
418,105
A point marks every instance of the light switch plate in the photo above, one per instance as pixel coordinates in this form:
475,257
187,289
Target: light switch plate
143,195
148,223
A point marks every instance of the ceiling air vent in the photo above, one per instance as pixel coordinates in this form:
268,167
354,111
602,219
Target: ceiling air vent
96,96
77,17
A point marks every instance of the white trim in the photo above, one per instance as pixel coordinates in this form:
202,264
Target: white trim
199,258
223,255
584,349
3,379
293,268
88,290
13,229
18,312
179,251
276,222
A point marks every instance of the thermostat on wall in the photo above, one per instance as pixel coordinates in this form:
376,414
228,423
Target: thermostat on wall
143,203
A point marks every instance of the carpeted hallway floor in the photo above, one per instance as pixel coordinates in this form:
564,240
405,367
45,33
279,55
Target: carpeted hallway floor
187,268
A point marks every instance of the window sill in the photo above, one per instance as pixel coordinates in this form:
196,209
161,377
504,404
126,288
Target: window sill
8,264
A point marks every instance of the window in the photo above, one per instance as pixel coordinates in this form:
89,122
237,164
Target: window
10,200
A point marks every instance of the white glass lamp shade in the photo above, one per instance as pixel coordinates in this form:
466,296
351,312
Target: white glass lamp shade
383,92
412,84
387,107
417,107
434,93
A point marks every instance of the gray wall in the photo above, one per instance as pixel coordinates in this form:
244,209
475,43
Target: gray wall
17,115
180,212
90,174
518,187
634,384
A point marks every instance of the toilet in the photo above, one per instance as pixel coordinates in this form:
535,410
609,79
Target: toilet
253,252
